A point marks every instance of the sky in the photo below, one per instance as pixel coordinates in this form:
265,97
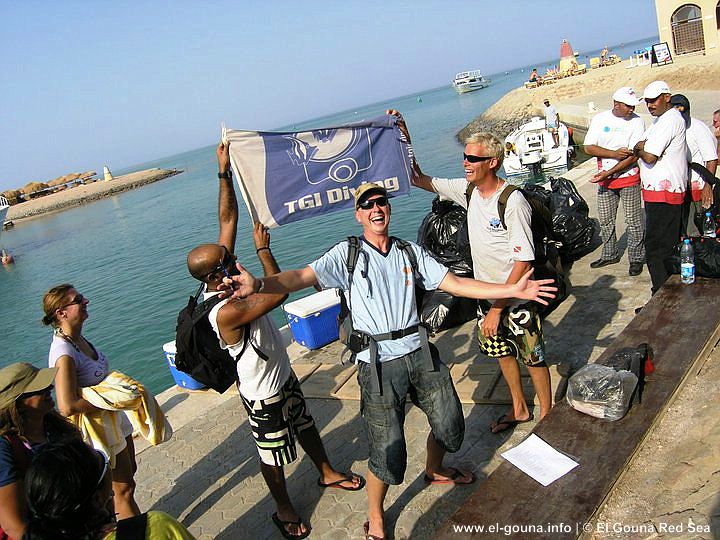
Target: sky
88,83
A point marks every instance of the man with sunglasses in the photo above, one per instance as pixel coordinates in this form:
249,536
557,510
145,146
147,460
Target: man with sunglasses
396,361
664,175
508,329
268,387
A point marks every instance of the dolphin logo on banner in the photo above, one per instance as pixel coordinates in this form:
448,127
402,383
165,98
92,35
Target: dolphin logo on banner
286,177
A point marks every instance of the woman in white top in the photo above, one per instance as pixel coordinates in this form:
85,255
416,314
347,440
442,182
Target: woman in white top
81,365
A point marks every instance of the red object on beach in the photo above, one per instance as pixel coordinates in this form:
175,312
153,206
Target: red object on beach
566,51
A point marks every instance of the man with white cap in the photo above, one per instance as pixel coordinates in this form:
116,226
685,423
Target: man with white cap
610,138
663,174
702,149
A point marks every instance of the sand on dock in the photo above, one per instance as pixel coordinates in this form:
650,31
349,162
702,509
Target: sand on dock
687,73
86,193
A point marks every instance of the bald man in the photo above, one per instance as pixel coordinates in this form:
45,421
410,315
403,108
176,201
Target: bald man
269,389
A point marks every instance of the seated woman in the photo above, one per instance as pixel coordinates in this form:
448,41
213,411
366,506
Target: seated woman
69,492
28,420
81,365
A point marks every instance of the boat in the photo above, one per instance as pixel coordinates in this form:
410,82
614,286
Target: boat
4,206
468,81
529,149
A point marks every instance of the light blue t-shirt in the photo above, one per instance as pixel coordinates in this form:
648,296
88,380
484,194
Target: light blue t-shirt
383,301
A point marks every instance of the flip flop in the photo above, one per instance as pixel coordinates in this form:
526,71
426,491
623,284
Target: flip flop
368,536
457,478
282,526
348,478
502,421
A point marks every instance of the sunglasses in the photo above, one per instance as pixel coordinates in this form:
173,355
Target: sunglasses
225,262
475,159
103,472
79,299
381,201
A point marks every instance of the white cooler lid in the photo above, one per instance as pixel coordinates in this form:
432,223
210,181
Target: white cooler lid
313,303
169,347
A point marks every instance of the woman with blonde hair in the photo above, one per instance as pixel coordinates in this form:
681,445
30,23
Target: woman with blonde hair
28,421
82,365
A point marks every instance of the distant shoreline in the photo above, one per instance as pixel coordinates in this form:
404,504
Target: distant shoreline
78,196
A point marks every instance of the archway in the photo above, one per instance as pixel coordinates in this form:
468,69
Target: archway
687,30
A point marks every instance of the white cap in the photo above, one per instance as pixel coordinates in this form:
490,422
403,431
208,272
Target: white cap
655,88
627,96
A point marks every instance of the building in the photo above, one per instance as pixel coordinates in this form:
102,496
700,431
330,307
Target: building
689,27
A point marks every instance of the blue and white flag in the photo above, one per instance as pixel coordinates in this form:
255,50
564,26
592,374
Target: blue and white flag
286,177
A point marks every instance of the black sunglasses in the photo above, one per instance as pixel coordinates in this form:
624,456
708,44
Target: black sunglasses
225,262
79,299
381,201
475,159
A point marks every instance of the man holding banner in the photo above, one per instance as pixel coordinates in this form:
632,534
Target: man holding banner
395,358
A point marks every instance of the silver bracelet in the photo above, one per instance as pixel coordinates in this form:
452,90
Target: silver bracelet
262,285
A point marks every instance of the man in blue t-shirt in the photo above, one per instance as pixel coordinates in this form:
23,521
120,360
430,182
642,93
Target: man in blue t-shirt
382,302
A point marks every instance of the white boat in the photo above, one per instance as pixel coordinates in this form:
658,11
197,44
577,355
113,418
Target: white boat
467,81
530,149
4,206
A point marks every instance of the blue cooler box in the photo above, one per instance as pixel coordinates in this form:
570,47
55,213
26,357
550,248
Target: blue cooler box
181,379
313,319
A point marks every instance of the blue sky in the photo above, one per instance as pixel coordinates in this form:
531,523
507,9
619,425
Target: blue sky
86,83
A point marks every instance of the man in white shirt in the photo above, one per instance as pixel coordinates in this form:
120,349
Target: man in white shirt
610,138
663,174
702,149
552,121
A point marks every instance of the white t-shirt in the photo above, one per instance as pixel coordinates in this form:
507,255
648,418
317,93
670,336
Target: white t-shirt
258,378
382,297
611,132
89,372
494,249
665,181
702,147
551,116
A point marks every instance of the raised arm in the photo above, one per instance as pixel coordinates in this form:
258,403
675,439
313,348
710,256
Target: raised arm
419,179
524,289
227,201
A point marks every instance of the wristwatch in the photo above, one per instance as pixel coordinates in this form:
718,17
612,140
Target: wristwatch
227,175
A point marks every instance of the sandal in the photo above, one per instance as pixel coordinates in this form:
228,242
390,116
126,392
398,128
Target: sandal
282,525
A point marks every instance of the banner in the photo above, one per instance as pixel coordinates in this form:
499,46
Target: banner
286,177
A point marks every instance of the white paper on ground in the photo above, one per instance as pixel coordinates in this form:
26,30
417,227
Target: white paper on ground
539,460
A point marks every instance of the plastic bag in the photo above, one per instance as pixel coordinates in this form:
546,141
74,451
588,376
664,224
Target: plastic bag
707,258
571,221
440,310
444,234
601,391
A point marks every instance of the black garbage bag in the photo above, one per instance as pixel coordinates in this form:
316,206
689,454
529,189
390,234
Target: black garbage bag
440,310
571,221
709,178
707,257
444,234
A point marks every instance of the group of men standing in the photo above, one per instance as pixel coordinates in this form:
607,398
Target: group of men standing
637,165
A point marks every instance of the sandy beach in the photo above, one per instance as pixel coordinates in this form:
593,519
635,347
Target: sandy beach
87,193
690,73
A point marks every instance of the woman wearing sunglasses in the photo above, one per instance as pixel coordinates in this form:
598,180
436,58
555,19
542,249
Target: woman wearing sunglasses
28,420
81,365
69,495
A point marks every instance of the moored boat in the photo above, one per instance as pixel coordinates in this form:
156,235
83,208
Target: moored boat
530,149
468,81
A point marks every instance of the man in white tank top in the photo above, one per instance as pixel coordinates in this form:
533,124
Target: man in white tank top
269,389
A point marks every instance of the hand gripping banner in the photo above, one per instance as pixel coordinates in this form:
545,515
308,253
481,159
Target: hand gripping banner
286,177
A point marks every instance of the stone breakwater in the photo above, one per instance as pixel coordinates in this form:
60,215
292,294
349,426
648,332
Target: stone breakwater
519,105
84,194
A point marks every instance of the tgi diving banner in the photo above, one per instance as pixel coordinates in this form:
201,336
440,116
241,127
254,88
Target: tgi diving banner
286,177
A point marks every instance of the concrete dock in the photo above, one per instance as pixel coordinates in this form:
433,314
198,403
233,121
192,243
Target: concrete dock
208,475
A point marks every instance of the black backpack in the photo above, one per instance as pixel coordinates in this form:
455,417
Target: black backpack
547,262
198,349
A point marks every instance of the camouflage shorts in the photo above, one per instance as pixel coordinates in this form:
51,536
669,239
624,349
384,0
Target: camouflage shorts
519,335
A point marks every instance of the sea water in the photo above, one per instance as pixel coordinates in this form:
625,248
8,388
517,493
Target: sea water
126,253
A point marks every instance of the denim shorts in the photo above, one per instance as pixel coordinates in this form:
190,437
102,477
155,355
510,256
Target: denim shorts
384,414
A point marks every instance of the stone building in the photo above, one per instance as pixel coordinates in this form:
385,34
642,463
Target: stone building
689,27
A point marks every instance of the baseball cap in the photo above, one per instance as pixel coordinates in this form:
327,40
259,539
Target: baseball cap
682,104
655,88
23,378
366,189
627,96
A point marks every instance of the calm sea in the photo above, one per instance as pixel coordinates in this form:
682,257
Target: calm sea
127,253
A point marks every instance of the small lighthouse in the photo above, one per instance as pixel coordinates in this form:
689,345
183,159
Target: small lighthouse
107,175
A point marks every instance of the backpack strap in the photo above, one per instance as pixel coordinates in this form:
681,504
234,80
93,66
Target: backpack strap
409,253
502,202
132,528
19,452
468,193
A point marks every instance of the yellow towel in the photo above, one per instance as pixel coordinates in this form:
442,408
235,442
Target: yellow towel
119,392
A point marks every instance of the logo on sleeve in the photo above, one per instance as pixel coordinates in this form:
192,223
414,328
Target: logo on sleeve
517,249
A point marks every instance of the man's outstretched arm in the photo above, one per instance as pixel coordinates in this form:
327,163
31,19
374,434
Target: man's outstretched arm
245,284
419,179
525,289
227,201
